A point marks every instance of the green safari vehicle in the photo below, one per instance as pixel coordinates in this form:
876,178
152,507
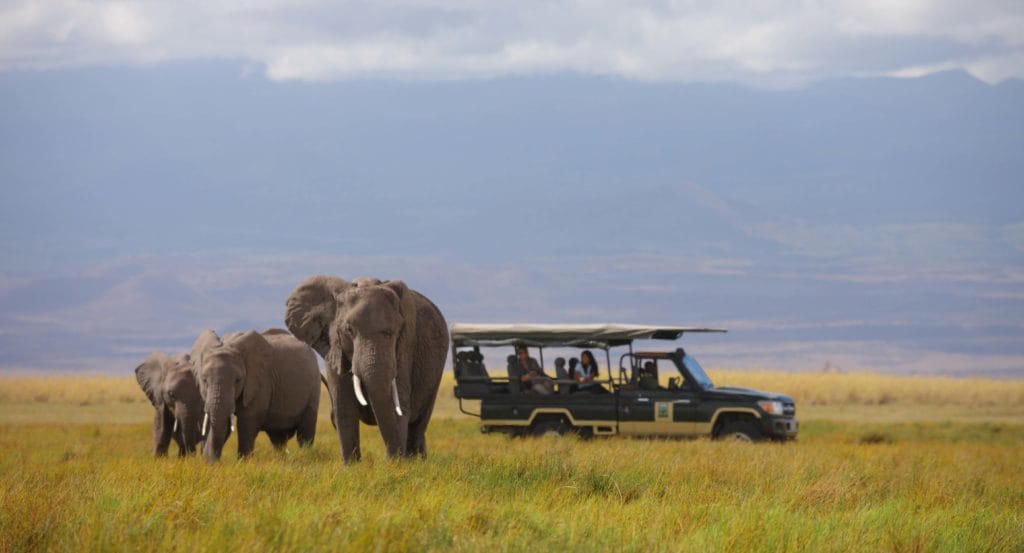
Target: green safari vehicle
652,393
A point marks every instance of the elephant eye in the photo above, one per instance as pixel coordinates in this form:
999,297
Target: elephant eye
387,333
348,330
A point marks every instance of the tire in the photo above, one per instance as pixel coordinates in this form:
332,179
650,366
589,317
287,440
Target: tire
548,427
739,431
584,432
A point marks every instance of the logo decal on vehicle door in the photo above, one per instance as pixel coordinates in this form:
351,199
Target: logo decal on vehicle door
663,411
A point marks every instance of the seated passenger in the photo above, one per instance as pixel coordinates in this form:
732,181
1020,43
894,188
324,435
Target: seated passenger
586,373
560,372
526,370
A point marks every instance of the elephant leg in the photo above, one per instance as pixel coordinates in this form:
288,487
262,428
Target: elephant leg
279,438
306,430
416,443
346,412
247,428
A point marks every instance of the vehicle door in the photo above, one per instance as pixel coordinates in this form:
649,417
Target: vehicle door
657,412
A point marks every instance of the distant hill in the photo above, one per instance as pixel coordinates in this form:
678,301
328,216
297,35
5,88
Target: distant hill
859,212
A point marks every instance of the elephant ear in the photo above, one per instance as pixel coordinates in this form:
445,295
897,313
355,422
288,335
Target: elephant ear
150,375
407,306
256,354
311,308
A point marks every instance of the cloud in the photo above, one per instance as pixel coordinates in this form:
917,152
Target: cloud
773,43
1013,235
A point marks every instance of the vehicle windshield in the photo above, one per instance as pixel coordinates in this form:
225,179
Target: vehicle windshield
698,372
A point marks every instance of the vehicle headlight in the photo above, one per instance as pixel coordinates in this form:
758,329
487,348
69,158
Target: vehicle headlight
771,407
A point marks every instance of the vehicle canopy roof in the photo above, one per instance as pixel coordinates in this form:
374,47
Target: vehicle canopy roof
601,336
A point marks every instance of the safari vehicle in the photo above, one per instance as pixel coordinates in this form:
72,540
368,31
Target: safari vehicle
652,393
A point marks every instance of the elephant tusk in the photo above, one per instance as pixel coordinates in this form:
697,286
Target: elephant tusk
359,391
175,429
233,424
394,394
206,423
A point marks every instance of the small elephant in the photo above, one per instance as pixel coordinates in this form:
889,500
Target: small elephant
385,346
270,381
172,389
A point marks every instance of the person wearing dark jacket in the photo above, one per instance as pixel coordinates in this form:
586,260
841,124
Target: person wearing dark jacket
526,369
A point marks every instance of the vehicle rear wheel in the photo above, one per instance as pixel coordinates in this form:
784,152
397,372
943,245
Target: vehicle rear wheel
584,432
548,427
739,431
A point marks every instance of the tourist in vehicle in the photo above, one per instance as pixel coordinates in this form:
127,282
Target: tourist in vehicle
586,373
528,371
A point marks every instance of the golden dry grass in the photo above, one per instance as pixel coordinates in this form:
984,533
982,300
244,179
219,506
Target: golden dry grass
75,474
70,389
806,388
877,389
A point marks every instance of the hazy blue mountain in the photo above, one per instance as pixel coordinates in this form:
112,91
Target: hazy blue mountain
95,155
881,214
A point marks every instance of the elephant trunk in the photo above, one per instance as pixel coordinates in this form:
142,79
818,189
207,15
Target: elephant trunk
391,425
219,406
188,420
374,367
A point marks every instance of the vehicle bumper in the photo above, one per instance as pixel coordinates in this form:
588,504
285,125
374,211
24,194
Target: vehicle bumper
782,428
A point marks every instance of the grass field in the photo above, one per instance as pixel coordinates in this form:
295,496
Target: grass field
882,464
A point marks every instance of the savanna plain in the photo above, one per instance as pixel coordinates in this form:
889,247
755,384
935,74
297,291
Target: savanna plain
883,463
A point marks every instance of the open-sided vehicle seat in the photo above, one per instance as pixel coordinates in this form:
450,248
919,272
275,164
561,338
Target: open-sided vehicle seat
472,375
562,376
514,385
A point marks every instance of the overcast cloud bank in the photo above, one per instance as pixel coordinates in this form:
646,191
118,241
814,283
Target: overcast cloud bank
765,43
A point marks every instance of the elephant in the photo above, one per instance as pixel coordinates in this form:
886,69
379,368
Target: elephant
269,380
385,347
172,389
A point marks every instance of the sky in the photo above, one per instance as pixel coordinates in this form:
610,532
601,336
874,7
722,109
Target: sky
772,43
838,184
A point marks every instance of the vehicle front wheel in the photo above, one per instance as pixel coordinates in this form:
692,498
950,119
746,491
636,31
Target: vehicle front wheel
739,431
550,427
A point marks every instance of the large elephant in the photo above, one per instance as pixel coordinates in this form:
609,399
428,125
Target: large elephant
270,381
385,347
172,389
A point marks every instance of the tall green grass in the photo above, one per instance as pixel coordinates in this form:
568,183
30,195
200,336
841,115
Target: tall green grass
70,484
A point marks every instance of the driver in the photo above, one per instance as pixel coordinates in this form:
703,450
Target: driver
649,376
